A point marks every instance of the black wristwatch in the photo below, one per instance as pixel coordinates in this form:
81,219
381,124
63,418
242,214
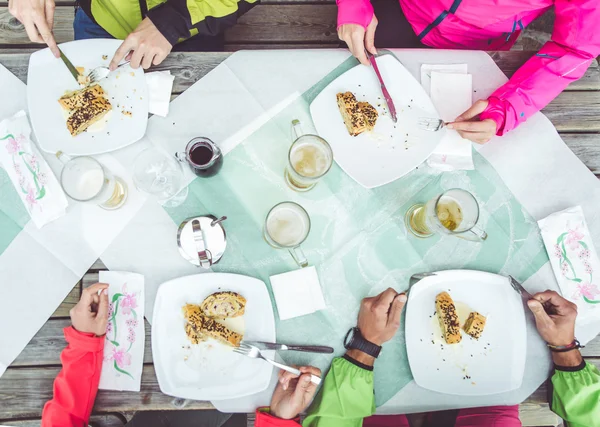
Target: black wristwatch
355,341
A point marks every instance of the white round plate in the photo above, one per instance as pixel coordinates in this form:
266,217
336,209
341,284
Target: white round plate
391,150
493,364
48,79
209,371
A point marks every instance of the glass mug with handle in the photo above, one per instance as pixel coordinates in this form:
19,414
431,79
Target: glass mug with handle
85,179
309,159
455,212
286,227
203,156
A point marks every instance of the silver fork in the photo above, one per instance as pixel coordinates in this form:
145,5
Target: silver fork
102,72
431,124
254,353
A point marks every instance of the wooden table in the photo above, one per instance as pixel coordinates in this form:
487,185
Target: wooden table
27,384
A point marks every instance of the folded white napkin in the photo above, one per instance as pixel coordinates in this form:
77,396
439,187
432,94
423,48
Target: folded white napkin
576,266
33,179
125,336
451,94
160,86
297,293
426,70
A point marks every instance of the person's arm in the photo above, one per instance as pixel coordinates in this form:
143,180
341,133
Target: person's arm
565,58
76,385
356,25
576,393
576,389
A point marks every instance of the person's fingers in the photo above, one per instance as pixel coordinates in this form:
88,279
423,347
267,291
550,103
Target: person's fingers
303,387
86,295
31,30
473,111
396,311
121,52
385,299
50,7
310,370
103,305
136,58
358,47
147,60
370,37
46,34
159,58
474,126
542,320
287,376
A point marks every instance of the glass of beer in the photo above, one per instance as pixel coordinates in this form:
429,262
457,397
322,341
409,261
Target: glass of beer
286,227
454,212
309,159
85,179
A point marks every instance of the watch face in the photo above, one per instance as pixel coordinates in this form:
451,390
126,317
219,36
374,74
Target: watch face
349,337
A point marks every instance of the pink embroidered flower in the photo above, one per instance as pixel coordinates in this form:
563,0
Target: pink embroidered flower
111,310
18,169
33,162
13,146
573,238
30,198
132,323
586,289
22,181
109,328
131,336
564,268
557,251
588,267
121,357
42,178
128,303
584,254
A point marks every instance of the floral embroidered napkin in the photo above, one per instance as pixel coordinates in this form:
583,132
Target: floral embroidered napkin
574,261
125,336
33,179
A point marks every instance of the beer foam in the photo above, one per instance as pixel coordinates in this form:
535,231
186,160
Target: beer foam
309,159
287,226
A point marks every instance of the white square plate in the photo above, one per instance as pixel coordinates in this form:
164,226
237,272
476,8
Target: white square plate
391,150
493,364
48,79
210,371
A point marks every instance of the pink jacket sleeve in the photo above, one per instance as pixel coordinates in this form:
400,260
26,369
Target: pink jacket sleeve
355,12
574,45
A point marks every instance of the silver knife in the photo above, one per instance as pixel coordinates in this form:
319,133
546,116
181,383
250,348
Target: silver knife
274,346
69,65
548,307
386,94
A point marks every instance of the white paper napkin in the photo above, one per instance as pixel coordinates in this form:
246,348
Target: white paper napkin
451,96
297,293
125,336
33,179
575,264
160,86
426,70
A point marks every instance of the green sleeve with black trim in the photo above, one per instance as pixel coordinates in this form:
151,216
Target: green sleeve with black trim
576,395
179,19
345,398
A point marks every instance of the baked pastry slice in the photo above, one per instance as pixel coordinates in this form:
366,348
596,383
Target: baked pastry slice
448,318
79,98
351,113
369,113
199,328
222,305
475,324
82,118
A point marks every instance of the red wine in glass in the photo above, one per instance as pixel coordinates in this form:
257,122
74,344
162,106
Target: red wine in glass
203,156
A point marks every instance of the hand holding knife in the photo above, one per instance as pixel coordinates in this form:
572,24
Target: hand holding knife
548,307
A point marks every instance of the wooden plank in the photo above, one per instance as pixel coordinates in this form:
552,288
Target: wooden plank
104,420
575,111
98,265
69,302
592,349
23,392
45,347
586,146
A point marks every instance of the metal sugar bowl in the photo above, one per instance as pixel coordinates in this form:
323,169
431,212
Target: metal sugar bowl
202,240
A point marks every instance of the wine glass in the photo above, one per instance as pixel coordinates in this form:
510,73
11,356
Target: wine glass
157,173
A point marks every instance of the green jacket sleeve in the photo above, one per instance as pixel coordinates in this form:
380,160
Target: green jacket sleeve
180,19
345,398
576,396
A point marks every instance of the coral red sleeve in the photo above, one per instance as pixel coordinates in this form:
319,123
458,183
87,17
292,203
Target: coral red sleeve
264,419
76,385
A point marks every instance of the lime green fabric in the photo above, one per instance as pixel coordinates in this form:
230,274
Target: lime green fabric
13,215
576,396
358,241
345,398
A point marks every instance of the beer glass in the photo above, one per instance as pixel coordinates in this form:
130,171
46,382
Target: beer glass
455,212
286,227
85,179
309,159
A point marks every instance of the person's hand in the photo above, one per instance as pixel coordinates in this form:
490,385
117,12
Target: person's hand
147,46
558,328
90,315
379,316
293,394
358,39
37,16
470,127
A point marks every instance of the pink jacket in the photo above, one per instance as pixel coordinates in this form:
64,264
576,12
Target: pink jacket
495,25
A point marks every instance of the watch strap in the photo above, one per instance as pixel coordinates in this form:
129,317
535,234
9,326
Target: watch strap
358,342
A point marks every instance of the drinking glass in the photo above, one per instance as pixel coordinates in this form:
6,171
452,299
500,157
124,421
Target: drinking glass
203,156
157,173
309,159
454,212
85,179
286,227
